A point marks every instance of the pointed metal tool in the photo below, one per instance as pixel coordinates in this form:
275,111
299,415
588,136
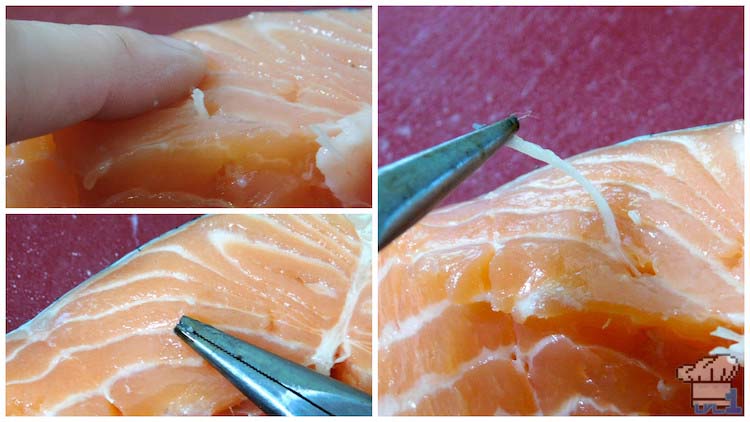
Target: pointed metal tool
411,187
276,385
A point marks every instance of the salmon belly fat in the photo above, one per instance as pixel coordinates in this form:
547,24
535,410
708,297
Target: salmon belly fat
298,286
282,119
517,302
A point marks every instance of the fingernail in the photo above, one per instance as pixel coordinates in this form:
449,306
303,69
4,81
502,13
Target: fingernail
178,44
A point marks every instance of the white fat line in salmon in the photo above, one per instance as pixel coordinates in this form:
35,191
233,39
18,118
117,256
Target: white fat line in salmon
331,35
664,197
238,41
266,28
705,157
322,288
394,332
429,384
336,337
184,254
698,255
337,238
385,268
177,250
494,212
222,238
668,170
120,282
608,217
332,257
693,147
269,221
336,235
105,387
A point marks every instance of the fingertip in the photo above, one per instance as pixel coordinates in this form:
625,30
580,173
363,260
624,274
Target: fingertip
196,63
189,61
195,59
179,45
162,70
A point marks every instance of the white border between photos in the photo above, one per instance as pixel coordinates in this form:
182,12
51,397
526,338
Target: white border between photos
747,189
374,4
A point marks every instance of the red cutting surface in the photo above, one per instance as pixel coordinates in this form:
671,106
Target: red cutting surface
589,76
47,255
154,19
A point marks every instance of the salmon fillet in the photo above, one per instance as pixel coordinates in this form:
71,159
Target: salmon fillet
282,119
517,303
294,285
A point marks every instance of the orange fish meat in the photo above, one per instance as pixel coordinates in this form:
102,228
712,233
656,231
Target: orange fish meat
295,285
282,119
517,302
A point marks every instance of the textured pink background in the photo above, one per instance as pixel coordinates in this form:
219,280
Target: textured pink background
47,255
589,76
156,20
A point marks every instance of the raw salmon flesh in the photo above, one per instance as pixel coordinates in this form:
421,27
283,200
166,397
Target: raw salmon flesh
295,285
518,303
282,119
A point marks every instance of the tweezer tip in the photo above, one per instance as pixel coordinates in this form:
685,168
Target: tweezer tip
512,120
186,325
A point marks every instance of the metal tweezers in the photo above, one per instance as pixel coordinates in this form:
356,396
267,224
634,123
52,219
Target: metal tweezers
412,186
276,385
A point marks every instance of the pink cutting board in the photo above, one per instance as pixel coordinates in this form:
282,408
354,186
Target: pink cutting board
152,19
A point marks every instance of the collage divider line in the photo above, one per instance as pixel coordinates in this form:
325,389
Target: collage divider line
374,208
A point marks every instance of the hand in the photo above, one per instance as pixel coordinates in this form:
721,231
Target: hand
58,75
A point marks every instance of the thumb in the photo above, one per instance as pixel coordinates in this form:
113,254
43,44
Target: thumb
58,75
